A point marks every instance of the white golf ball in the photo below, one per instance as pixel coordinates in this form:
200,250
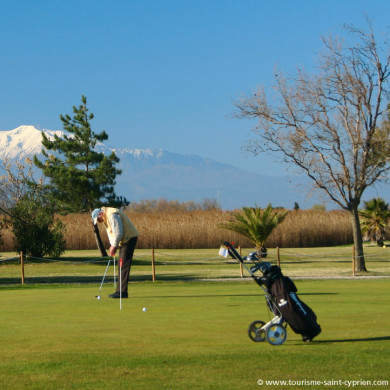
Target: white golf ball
98,297
144,309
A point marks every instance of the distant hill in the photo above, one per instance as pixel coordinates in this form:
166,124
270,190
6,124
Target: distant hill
157,173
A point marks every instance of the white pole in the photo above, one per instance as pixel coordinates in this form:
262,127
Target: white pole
120,284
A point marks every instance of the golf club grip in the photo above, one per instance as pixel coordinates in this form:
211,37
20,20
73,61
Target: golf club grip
232,252
235,255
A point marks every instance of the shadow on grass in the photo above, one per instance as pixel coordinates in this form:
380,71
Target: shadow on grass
103,261
54,280
384,338
287,262
92,279
44,260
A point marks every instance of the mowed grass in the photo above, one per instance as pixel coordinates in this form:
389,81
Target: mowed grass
191,264
192,336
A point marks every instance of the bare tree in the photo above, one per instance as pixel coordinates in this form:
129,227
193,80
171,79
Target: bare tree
16,181
25,210
329,124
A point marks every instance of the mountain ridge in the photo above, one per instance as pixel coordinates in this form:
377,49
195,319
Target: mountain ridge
156,173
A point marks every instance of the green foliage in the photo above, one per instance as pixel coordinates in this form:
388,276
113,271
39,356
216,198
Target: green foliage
36,231
374,218
27,212
255,223
80,177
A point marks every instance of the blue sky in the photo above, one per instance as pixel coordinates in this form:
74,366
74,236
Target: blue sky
162,73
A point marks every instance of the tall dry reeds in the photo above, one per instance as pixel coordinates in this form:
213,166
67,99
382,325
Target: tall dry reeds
198,229
194,229
312,228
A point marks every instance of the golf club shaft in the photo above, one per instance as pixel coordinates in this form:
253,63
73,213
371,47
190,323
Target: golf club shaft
114,274
104,276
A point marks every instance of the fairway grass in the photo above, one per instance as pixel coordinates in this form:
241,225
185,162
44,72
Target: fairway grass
193,335
192,264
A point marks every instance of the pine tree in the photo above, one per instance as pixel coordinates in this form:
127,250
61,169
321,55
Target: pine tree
80,178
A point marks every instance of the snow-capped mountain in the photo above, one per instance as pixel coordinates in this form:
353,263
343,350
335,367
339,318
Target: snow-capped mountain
157,173
22,142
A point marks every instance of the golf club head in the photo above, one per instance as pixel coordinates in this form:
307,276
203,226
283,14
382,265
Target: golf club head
252,256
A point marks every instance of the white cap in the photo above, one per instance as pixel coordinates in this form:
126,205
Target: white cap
94,215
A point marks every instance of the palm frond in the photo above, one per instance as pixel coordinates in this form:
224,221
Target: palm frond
255,223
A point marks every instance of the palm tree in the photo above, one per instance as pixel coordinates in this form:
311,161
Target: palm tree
256,224
374,218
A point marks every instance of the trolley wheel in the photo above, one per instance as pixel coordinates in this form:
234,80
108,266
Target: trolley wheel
255,332
276,334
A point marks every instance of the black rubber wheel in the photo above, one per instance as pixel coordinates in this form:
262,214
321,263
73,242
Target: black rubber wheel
255,332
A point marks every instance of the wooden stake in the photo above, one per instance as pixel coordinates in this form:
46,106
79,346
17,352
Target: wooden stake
22,266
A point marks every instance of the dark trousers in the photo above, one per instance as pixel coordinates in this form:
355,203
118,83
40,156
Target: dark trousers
126,254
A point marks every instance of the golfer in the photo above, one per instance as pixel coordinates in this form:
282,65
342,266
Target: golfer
122,234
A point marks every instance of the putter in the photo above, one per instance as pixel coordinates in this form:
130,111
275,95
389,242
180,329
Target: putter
114,274
101,284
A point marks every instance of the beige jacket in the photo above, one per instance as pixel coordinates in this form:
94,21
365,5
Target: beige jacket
118,226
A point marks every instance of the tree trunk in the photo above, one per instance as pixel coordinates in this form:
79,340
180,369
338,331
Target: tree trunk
261,252
360,265
99,241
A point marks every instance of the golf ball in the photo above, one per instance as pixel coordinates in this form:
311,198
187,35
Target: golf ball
144,309
98,297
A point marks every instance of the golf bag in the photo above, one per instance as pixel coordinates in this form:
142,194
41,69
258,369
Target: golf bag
281,299
296,313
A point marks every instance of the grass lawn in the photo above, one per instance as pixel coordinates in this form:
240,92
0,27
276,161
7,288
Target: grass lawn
190,264
192,336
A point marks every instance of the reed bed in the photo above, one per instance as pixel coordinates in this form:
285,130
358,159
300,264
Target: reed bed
199,229
313,228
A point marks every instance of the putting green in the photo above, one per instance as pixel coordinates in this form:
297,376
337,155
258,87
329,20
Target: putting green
192,336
